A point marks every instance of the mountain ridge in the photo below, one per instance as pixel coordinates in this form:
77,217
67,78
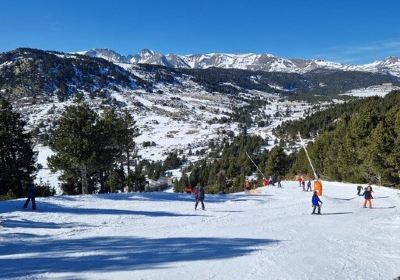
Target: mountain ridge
248,61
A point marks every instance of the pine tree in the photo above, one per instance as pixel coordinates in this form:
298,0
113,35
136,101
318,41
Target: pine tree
75,144
277,162
16,152
221,181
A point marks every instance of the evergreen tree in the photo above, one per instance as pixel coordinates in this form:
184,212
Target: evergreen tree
16,152
75,144
221,181
116,180
89,146
277,162
126,134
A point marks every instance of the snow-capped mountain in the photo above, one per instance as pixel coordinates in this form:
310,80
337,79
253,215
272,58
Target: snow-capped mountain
389,65
107,54
264,62
249,61
32,73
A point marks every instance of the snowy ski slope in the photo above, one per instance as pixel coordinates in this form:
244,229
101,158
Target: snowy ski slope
161,236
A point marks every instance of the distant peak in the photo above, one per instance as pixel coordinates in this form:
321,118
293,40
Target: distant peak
147,51
392,58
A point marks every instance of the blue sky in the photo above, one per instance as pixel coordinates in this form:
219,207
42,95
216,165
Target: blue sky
353,31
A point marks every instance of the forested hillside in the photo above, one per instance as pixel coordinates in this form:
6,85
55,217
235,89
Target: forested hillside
317,82
358,142
355,142
34,73
228,165
325,119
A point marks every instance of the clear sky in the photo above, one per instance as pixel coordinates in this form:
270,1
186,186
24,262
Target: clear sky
354,31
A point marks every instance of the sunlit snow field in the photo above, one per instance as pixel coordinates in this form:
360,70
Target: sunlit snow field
160,236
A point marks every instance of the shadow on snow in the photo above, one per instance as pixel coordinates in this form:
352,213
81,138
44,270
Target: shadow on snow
338,213
24,223
100,254
54,208
162,197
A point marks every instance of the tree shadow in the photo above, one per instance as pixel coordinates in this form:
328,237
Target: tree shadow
252,198
24,223
19,235
338,213
101,254
228,211
345,199
258,195
162,196
54,208
389,207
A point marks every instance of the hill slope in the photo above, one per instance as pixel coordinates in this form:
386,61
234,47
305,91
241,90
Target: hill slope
159,236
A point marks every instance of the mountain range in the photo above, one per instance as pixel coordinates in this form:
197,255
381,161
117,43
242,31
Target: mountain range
37,73
248,61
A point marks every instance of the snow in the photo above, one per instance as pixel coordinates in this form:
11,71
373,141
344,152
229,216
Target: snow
265,62
380,90
44,174
160,236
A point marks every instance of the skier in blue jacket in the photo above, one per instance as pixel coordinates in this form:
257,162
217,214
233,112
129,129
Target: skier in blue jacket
316,203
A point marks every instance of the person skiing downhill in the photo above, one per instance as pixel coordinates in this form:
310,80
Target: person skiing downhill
303,184
31,195
199,196
368,196
309,185
316,203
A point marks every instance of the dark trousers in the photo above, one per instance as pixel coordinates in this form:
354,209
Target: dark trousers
279,184
33,203
308,188
315,207
197,202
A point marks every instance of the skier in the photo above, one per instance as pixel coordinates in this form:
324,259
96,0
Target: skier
309,185
300,179
247,186
253,183
199,195
315,203
359,189
303,184
265,182
279,181
271,181
189,189
368,196
31,195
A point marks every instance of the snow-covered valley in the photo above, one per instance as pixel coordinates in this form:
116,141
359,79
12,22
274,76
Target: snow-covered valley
160,236
181,118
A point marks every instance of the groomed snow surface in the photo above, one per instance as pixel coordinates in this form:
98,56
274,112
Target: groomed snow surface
160,236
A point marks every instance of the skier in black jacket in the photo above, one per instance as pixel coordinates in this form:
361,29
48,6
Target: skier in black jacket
368,196
31,195
199,195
